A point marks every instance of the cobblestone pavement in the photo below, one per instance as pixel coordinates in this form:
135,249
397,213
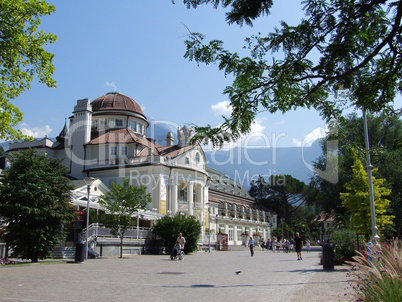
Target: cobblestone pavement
202,276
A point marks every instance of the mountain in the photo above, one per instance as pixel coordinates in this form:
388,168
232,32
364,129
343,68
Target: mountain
244,165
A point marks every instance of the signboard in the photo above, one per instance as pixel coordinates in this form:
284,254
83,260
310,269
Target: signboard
163,195
79,216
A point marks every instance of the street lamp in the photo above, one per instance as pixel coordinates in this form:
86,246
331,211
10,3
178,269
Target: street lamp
374,235
88,181
282,220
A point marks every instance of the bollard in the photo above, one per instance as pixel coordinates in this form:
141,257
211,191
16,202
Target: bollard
80,252
328,257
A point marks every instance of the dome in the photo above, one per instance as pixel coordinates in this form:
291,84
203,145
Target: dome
116,101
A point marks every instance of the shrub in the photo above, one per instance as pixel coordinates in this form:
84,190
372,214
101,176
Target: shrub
379,276
345,244
168,228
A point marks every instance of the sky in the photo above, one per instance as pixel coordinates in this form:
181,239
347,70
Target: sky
137,48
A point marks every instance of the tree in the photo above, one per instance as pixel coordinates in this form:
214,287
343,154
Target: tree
386,153
168,228
356,200
283,194
121,203
22,56
339,44
35,204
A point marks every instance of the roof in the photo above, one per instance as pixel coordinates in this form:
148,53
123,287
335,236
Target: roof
222,183
116,101
326,217
127,136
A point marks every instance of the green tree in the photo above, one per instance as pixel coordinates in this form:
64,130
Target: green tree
35,204
356,200
385,135
121,203
22,56
338,44
283,194
168,228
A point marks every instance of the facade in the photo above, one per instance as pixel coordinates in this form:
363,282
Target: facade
234,212
106,139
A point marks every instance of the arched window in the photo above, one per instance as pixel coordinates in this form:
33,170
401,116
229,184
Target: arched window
197,158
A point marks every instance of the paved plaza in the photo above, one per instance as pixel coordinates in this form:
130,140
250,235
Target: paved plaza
201,276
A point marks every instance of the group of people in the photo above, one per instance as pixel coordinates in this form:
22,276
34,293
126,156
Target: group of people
178,249
287,245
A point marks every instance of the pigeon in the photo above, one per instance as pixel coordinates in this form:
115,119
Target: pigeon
238,272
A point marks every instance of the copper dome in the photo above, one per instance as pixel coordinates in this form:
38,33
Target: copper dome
116,101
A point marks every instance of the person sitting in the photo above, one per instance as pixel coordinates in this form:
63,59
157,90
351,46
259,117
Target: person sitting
175,250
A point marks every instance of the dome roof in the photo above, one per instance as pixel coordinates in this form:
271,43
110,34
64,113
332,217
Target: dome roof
116,101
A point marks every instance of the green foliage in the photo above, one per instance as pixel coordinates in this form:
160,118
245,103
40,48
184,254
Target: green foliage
22,56
385,136
121,202
282,194
35,204
339,43
357,200
378,277
345,244
168,228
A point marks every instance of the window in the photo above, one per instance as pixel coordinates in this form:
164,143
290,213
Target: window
140,128
231,232
95,124
186,161
133,126
239,232
183,194
197,158
113,150
123,150
118,123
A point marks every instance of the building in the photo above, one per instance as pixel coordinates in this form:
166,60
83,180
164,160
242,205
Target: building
235,213
106,139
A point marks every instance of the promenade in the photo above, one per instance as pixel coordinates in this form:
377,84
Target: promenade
201,276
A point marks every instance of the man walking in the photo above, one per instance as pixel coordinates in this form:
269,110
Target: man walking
298,246
251,243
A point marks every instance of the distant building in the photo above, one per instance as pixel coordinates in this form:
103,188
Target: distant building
106,139
328,221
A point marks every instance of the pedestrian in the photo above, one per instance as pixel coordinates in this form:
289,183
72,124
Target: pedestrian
268,244
298,245
274,242
308,245
292,245
262,243
287,246
181,240
251,244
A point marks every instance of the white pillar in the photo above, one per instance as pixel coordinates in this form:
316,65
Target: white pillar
190,198
175,205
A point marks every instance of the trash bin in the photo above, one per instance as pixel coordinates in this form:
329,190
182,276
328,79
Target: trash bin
80,252
328,256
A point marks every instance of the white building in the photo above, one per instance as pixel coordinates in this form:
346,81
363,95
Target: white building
106,139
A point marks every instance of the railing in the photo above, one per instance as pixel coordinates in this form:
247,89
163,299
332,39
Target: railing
96,230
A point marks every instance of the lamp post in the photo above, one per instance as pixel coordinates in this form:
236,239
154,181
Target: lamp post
374,235
282,220
88,181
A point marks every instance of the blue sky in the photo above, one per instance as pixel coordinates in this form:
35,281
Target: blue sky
137,48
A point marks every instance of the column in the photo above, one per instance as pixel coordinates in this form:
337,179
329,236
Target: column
190,197
175,205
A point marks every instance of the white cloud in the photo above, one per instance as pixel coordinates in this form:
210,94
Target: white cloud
222,108
111,84
310,138
38,132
